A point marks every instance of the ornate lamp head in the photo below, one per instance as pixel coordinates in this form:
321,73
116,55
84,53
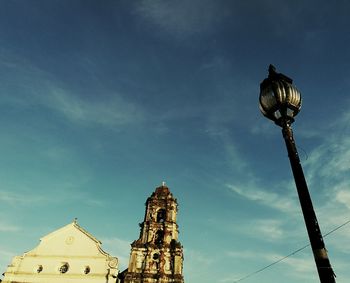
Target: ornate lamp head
279,99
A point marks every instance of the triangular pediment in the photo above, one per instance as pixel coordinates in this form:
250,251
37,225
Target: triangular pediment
70,240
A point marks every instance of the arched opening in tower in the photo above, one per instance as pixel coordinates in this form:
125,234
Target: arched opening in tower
159,238
161,215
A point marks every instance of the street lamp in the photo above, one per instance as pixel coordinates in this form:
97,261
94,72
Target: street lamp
280,101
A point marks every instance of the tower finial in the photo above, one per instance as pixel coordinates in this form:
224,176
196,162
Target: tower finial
163,184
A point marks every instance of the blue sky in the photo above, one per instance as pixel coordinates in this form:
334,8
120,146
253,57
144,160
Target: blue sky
101,102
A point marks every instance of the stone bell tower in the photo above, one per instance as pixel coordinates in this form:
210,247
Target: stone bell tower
157,256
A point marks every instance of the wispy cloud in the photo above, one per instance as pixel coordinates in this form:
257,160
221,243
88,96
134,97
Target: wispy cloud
27,86
182,18
6,227
330,160
23,198
298,265
303,265
221,134
334,214
198,263
343,196
111,110
72,192
257,194
270,229
327,170
251,254
328,165
197,256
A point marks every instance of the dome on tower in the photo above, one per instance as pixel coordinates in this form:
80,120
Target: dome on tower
162,190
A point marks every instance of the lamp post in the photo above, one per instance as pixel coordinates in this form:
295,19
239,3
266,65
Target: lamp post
280,101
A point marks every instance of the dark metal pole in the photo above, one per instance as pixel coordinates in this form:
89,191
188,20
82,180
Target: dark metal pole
323,264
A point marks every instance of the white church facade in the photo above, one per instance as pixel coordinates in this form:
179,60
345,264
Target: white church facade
69,254
72,255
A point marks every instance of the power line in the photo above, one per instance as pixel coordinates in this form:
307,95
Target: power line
271,264
335,229
289,255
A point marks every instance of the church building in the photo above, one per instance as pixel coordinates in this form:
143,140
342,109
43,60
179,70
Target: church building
72,255
69,254
157,255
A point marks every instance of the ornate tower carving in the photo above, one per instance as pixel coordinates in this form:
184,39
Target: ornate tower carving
157,255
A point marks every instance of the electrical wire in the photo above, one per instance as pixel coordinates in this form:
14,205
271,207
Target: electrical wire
289,255
335,229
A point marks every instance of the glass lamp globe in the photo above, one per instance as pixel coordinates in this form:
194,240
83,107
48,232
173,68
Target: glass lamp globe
279,99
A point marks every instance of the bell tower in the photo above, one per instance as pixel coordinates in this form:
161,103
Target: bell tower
157,256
